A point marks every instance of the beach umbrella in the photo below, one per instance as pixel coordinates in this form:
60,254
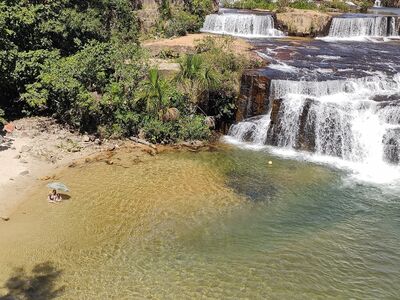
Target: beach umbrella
59,186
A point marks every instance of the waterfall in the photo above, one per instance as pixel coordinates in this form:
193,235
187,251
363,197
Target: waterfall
377,3
338,118
363,27
240,24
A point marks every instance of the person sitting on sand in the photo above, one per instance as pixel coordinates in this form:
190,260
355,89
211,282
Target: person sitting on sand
54,197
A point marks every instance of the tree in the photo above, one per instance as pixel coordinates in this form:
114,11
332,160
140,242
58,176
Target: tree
196,78
154,92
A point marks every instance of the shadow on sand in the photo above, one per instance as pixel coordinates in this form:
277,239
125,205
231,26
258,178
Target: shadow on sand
65,196
39,285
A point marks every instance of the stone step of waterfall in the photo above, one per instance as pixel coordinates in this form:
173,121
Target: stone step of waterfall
364,26
249,24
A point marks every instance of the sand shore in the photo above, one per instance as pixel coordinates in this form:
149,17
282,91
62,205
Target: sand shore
33,152
39,148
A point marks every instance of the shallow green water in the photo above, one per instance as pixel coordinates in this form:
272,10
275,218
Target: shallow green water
220,224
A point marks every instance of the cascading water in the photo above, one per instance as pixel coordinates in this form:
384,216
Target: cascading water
241,24
350,27
337,118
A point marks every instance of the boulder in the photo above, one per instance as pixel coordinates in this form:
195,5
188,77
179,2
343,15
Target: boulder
210,122
304,22
172,114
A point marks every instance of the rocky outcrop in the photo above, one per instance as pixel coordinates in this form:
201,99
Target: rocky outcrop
304,22
254,94
392,146
275,125
305,139
391,3
148,18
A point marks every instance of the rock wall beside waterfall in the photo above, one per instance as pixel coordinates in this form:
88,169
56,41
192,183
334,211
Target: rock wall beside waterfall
304,22
254,92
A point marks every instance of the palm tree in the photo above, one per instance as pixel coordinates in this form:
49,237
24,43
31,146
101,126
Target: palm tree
197,78
153,92
191,66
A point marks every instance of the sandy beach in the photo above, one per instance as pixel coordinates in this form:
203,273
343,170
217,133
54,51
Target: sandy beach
38,148
33,152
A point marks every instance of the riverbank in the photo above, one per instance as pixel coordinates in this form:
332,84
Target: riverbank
39,148
34,150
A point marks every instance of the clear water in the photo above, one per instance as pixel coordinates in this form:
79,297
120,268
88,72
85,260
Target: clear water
217,225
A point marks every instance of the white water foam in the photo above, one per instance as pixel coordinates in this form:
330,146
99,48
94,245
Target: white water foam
373,29
350,129
240,24
386,175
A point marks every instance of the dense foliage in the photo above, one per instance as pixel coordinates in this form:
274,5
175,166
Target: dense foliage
282,5
81,62
182,19
207,83
251,4
36,34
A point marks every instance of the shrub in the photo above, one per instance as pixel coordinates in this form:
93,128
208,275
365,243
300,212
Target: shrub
282,5
334,5
157,131
193,128
303,4
251,4
2,120
182,23
365,5
186,128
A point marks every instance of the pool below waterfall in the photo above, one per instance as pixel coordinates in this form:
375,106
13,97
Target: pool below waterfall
220,225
